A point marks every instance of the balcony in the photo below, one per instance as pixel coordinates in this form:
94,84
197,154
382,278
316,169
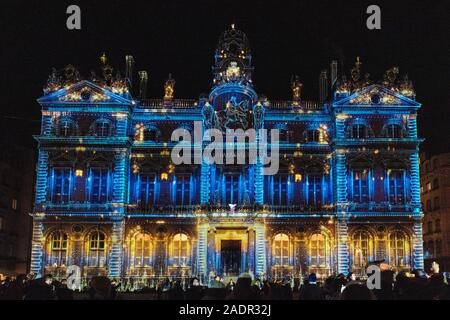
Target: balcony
379,207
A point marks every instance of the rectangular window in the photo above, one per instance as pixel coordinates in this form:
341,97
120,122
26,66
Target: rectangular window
183,189
361,186
99,185
437,204
314,190
396,187
1,223
61,185
147,189
232,189
280,192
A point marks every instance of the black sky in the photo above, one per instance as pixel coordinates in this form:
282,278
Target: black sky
286,37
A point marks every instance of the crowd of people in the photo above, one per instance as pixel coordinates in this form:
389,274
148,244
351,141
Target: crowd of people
416,285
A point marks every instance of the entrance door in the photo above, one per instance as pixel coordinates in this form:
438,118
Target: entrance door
230,256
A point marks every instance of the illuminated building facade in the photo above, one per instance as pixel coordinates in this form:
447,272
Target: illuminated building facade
110,200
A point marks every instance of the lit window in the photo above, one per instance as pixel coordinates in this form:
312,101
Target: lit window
360,186
281,249
141,250
396,186
96,256
14,204
280,190
318,251
183,185
99,182
361,248
147,190
180,249
58,244
232,194
61,188
398,249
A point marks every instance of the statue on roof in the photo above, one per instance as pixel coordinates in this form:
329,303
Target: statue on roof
169,88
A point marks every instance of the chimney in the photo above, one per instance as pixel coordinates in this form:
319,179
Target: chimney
143,77
129,63
323,86
333,75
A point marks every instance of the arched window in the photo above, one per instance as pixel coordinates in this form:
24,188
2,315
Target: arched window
67,128
393,131
102,128
141,250
281,249
318,250
96,253
180,249
359,131
313,135
361,248
398,249
57,249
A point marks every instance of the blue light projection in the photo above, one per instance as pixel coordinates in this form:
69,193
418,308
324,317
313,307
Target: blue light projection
340,162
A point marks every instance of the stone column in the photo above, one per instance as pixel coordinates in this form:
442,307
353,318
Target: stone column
341,214
120,177
116,254
37,248
260,249
41,178
202,248
205,183
251,250
417,245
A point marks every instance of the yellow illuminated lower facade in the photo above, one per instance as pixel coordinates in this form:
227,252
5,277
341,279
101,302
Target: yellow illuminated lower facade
150,250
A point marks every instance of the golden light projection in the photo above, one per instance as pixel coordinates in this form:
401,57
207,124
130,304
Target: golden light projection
164,176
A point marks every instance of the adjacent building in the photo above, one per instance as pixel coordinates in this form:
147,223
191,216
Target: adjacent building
435,193
111,198
16,199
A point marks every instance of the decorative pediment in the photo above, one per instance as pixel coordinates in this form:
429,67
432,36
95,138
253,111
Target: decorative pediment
84,92
376,95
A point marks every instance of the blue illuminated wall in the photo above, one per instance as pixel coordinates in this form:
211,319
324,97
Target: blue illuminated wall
104,167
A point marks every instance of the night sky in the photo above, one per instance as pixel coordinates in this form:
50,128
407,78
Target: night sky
179,37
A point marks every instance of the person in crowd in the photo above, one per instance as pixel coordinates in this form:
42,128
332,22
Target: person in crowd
62,292
100,288
310,290
357,291
244,289
195,290
40,289
176,291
